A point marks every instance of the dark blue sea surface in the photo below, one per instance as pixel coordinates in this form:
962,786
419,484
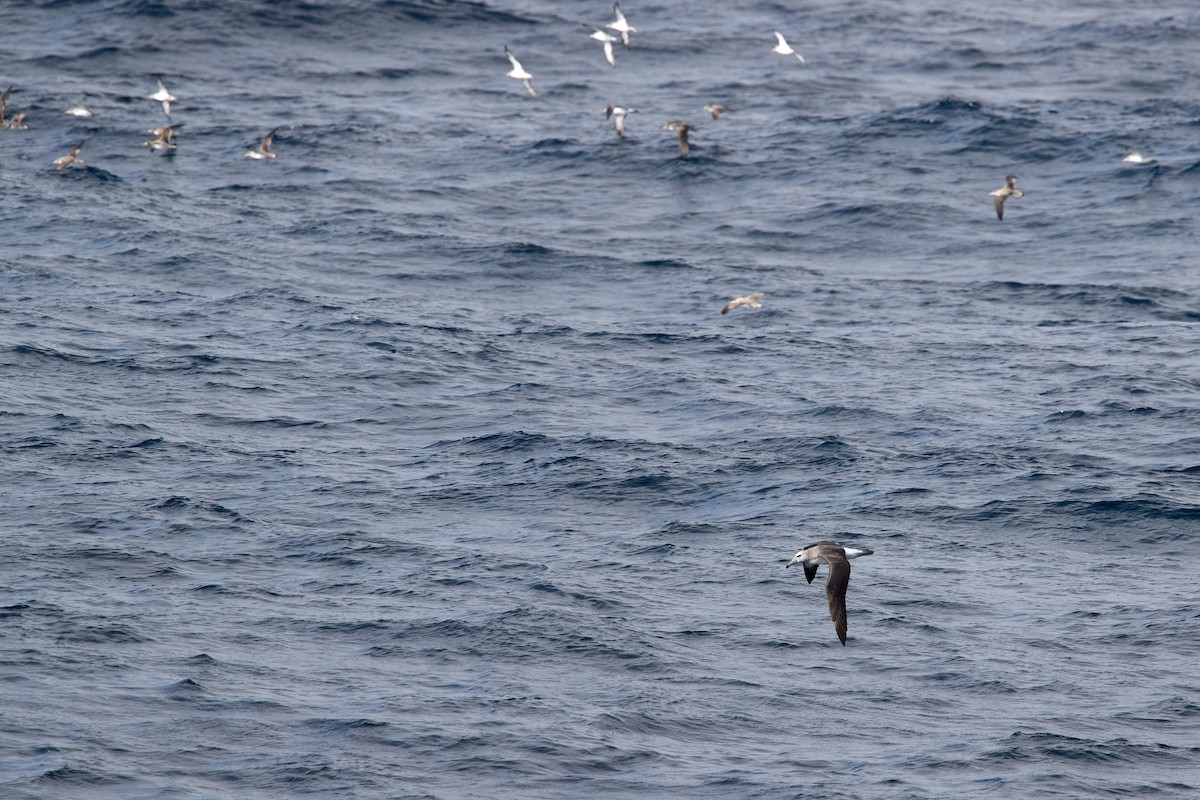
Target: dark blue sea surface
417,462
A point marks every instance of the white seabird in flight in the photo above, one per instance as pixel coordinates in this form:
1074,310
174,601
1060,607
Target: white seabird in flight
785,49
519,72
607,39
618,114
164,97
620,25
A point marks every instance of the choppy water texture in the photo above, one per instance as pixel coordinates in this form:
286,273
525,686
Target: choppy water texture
418,462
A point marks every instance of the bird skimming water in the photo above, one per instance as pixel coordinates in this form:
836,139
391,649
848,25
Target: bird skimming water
1009,189
750,300
264,148
680,128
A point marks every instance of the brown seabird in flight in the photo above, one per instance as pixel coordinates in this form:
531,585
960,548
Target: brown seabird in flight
1009,189
264,148
682,129
72,157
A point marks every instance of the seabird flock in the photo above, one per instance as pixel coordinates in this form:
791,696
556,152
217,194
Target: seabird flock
163,137
621,25
835,556
825,552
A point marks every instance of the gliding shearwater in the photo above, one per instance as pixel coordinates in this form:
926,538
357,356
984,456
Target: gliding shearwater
785,49
70,158
682,129
1009,189
618,115
80,111
164,97
716,109
620,25
519,72
838,559
264,148
164,138
750,300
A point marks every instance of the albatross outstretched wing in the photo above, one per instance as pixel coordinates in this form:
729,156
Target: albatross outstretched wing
835,589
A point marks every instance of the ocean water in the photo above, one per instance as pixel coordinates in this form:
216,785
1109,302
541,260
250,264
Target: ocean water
418,462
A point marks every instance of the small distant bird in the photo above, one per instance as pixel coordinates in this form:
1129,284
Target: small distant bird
716,109
519,72
16,123
750,300
72,157
1009,189
80,111
164,97
608,40
682,129
1134,157
164,138
618,114
264,148
784,49
838,559
620,25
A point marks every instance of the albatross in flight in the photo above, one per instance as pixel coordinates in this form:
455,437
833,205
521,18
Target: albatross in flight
838,559
72,157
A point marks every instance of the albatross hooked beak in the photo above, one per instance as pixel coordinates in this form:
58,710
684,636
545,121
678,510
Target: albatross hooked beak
795,560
